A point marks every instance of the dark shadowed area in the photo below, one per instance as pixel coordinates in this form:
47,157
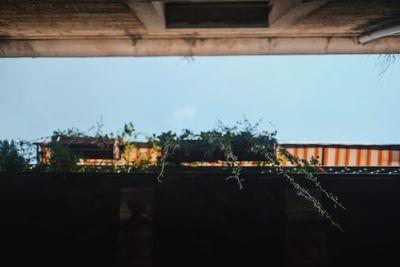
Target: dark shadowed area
193,219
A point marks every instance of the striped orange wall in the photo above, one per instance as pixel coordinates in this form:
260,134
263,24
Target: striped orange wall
348,156
327,155
305,153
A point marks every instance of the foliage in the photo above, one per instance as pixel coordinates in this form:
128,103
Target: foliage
166,143
229,144
12,157
74,132
386,62
245,138
62,158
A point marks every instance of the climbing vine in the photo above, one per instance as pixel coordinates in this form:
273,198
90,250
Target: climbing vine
230,146
243,141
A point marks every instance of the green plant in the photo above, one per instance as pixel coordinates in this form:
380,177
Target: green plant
228,144
386,62
72,132
12,157
166,143
244,137
62,159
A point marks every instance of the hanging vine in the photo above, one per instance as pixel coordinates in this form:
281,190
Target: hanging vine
244,138
229,145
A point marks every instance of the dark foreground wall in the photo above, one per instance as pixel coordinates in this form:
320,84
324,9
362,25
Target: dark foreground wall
197,219
55,220
205,221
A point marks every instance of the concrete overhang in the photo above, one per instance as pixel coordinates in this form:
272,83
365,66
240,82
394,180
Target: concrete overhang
54,28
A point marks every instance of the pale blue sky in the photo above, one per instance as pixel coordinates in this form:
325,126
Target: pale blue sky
307,98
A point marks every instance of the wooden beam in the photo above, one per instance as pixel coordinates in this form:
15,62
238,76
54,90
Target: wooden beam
297,13
193,46
150,13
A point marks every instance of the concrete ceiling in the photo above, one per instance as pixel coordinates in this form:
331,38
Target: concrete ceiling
137,28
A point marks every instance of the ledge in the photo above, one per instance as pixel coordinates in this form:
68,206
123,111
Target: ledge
192,46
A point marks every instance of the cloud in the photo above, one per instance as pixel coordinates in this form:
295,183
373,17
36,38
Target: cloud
181,116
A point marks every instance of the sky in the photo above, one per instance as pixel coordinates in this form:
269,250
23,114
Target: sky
340,98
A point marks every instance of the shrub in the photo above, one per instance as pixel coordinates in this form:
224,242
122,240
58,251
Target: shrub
11,157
